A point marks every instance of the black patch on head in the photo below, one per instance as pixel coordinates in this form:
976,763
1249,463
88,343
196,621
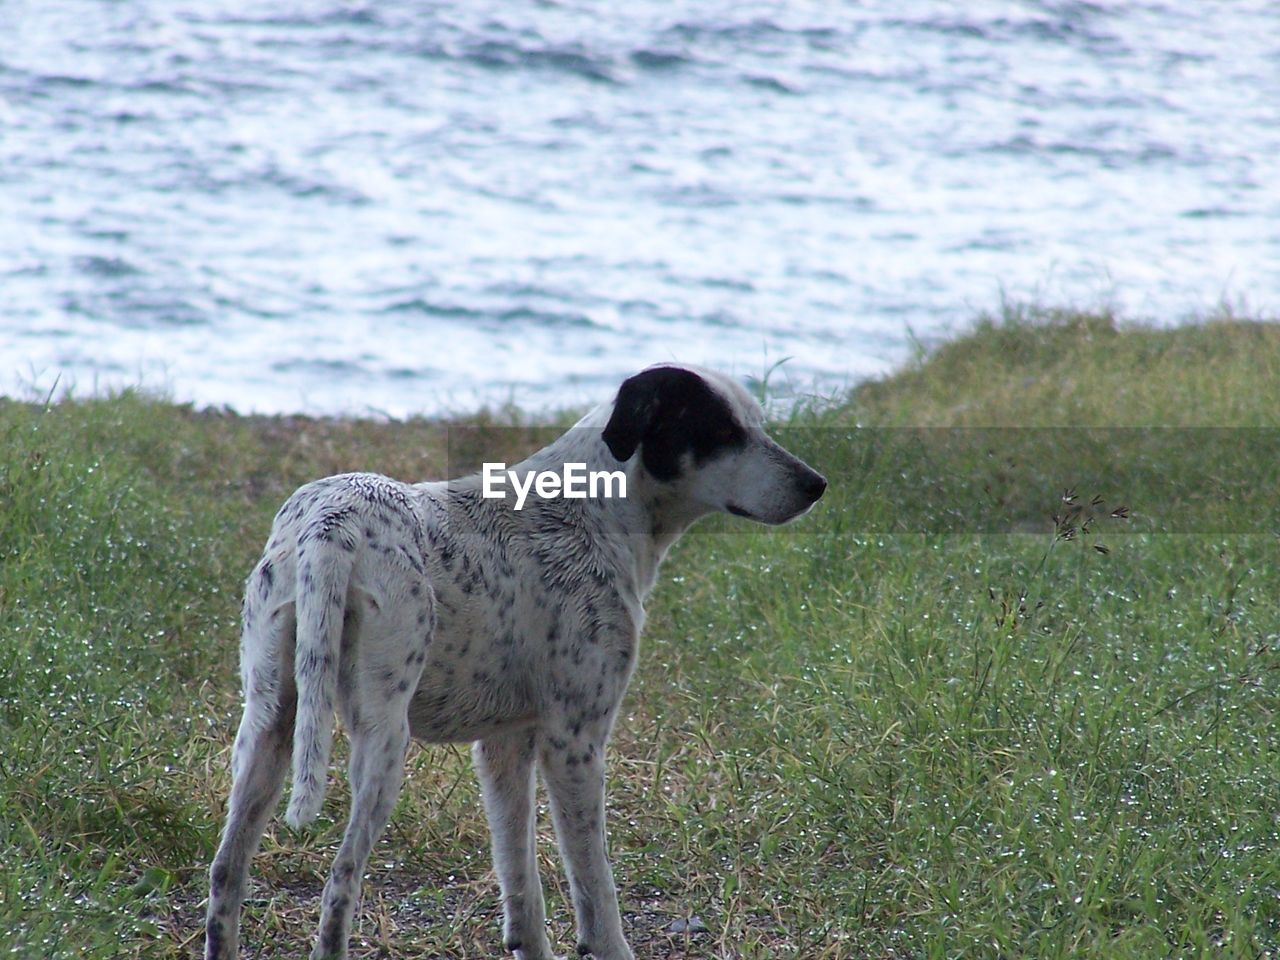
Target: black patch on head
667,413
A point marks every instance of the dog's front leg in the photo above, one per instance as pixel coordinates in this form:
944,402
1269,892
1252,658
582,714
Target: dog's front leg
572,765
504,764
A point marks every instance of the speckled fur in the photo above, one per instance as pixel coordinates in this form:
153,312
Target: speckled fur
427,610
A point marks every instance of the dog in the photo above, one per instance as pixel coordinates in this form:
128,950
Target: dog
434,611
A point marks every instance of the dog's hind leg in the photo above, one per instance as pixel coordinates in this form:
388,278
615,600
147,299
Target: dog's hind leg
259,761
383,654
505,766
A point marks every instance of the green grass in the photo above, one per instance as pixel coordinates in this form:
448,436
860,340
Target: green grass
926,721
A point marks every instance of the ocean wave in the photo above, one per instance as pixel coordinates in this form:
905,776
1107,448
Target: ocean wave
493,53
230,176
337,15
319,365
1111,156
134,307
98,266
500,317
661,59
749,31
1067,24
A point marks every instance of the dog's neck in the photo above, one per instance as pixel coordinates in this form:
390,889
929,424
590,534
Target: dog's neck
631,534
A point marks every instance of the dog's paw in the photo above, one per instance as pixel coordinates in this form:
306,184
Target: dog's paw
542,952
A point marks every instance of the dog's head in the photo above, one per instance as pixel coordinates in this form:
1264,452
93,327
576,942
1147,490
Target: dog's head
702,433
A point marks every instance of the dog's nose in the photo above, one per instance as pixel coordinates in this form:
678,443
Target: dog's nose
813,485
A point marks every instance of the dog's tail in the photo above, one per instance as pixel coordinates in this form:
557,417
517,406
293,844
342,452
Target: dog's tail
324,572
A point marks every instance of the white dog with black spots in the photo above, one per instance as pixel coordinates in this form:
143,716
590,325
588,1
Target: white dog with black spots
431,611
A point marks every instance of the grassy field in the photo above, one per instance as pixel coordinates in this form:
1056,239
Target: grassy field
1006,692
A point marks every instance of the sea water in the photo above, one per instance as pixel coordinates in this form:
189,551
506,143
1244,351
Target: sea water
406,206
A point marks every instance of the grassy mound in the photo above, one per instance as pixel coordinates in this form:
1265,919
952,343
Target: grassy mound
1006,692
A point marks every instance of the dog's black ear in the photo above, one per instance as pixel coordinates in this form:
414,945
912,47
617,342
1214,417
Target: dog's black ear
633,412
